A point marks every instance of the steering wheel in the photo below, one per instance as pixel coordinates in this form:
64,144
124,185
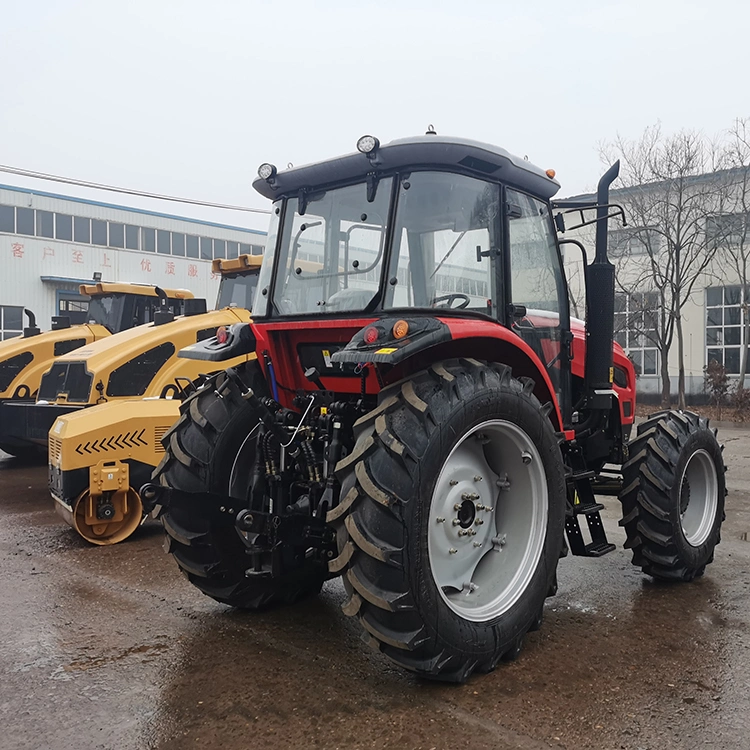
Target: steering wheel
449,299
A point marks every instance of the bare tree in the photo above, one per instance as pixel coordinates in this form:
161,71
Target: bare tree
671,183
731,230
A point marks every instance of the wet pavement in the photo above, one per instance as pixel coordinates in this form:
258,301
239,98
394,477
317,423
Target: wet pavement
111,648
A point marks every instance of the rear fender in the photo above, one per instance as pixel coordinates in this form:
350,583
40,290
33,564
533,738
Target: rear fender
434,339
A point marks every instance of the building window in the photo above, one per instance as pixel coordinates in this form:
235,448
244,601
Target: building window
232,249
8,219
11,322
636,320
206,248
25,221
178,243
82,229
116,234
162,242
632,241
220,249
131,237
148,240
728,230
63,227
45,224
192,246
724,326
98,232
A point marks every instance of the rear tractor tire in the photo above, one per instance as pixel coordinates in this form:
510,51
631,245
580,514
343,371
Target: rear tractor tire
210,449
673,496
451,518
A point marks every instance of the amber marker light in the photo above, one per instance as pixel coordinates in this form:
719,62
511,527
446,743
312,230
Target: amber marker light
551,174
400,329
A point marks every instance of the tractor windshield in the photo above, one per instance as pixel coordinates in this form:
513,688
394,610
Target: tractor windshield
331,250
238,290
107,311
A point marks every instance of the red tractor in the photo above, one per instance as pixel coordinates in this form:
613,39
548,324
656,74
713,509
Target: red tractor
424,418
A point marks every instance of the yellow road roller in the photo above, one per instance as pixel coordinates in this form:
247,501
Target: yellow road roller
97,459
114,307
131,385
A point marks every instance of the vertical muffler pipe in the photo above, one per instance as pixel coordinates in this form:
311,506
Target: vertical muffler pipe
600,295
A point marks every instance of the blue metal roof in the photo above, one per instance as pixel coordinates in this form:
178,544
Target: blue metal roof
29,191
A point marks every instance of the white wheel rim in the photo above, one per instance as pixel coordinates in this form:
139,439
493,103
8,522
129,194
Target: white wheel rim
699,498
487,520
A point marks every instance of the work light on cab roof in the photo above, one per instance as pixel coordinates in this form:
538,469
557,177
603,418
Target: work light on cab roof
368,144
266,171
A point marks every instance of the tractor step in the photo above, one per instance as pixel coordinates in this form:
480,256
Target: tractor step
597,549
585,509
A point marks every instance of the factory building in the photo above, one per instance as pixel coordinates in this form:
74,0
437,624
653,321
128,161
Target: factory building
50,244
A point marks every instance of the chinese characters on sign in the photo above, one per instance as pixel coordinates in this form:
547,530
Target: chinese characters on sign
105,262
17,249
77,256
170,268
48,252
192,270
146,265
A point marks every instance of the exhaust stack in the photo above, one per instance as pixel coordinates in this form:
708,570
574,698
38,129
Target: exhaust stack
600,296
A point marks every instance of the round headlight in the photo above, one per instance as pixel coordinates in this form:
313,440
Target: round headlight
367,144
266,171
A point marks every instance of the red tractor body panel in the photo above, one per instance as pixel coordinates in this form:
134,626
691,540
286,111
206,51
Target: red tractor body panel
294,347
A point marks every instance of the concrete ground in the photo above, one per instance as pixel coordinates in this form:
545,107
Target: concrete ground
111,648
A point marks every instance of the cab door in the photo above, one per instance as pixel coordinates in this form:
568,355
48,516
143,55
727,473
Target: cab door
538,310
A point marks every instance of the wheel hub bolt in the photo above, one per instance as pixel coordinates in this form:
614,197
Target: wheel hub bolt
463,532
477,544
477,478
440,519
479,522
453,482
456,522
452,551
480,506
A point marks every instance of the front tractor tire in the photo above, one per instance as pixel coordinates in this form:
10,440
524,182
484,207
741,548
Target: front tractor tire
451,518
673,496
210,449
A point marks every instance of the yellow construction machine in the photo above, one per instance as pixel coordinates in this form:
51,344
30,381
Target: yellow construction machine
133,384
113,307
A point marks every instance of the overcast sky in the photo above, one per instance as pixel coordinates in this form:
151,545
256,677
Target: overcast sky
187,98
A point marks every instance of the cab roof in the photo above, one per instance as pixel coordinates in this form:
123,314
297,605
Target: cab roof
148,290
244,263
425,151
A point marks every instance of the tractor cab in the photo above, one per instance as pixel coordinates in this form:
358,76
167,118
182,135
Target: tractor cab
239,280
120,306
